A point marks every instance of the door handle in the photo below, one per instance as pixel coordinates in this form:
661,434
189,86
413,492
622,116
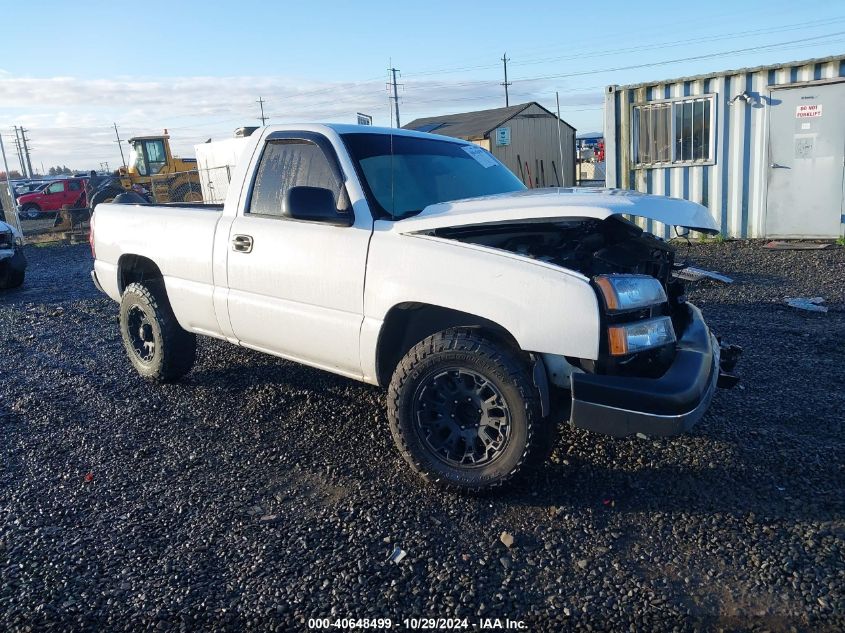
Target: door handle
242,243
776,166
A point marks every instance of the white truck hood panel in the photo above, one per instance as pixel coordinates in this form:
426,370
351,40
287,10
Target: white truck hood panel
555,203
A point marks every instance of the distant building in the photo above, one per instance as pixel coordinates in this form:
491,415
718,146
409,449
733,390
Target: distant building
589,140
524,137
763,148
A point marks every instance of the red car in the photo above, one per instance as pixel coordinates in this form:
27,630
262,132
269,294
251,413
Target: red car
53,197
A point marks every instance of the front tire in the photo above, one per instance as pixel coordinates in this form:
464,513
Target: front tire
463,411
10,278
32,211
160,350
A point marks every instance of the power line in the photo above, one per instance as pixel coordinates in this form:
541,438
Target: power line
676,43
605,52
800,43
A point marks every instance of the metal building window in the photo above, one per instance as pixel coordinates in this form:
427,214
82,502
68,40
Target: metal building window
673,132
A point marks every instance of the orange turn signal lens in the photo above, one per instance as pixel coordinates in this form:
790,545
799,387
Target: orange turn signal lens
617,341
608,292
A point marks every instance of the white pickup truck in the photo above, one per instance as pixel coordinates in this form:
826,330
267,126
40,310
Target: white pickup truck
420,263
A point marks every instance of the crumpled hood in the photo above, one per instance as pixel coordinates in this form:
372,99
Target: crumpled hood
555,203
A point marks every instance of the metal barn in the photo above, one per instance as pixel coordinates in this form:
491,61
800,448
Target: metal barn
763,148
524,137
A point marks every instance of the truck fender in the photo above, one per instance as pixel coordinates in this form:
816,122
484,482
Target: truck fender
541,381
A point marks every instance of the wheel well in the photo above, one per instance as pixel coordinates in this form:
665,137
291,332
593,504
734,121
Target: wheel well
135,268
409,323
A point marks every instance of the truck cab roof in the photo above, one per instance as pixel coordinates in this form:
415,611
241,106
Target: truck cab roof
350,128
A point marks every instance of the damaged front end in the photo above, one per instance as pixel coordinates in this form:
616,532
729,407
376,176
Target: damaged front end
658,363
12,260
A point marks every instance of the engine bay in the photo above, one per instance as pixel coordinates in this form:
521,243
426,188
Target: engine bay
591,247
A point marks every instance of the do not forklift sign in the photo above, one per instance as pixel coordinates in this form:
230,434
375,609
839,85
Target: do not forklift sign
808,111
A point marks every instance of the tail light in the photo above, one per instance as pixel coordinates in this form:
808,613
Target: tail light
91,236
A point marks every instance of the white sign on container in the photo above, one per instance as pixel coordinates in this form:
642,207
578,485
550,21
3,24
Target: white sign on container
503,136
808,111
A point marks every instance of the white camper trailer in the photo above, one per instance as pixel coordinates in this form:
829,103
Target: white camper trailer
216,161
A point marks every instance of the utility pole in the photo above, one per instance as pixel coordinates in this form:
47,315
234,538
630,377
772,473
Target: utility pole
559,140
11,215
119,146
395,96
263,118
506,83
26,152
19,150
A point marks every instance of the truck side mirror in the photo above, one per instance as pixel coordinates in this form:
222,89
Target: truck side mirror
314,204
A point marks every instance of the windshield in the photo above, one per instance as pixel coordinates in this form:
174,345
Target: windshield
420,171
136,158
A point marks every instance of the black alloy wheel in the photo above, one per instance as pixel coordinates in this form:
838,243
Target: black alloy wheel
462,417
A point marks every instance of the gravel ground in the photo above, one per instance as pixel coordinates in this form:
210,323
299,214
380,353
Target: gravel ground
257,493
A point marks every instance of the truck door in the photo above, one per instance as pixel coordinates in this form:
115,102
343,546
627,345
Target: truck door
73,193
55,195
806,188
296,287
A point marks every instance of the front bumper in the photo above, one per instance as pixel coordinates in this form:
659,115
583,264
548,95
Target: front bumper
665,406
16,260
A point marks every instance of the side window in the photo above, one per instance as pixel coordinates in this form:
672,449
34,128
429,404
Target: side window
73,185
290,163
56,187
156,156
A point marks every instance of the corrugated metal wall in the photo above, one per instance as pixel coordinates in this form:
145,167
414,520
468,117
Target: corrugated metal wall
534,139
734,186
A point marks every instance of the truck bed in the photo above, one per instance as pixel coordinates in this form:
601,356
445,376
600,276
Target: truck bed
202,206
178,237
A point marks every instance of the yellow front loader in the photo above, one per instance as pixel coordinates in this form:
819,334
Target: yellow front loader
154,172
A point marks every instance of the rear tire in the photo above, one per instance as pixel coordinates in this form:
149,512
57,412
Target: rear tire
463,411
188,192
105,195
159,349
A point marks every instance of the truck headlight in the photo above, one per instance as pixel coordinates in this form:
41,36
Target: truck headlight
640,335
629,292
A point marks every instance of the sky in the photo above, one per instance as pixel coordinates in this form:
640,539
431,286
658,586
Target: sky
69,70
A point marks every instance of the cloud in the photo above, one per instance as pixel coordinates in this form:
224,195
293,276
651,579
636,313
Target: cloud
70,118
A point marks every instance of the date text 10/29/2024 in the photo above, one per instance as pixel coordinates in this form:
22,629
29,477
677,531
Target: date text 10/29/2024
417,624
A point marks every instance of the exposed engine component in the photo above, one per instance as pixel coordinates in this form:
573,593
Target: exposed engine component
592,247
